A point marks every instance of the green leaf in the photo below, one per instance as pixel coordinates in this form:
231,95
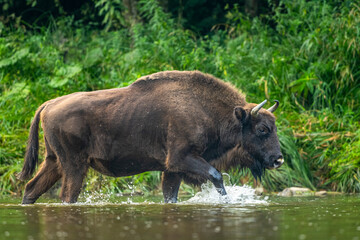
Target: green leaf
68,71
14,58
18,91
93,56
63,75
58,82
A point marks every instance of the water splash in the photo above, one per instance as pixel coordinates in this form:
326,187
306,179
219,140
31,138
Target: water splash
243,195
99,198
94,198
240,195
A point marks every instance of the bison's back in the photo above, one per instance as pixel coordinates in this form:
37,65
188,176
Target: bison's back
167,93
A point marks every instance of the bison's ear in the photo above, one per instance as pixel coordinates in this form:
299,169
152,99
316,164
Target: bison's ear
241,114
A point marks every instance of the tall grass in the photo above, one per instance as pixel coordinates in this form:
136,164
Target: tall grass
309,61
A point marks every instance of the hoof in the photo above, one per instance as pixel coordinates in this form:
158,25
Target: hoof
226,199
171,200
27,201
221,191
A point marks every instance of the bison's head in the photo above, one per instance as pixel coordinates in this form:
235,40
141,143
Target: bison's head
260,147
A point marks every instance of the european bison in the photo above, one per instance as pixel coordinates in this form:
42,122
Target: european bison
180,123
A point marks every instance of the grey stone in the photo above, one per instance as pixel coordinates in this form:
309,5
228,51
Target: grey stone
321,193
295,192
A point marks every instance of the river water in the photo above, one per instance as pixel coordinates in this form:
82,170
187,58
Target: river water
242,215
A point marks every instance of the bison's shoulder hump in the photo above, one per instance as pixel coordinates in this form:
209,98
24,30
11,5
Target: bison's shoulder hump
187,79
164,77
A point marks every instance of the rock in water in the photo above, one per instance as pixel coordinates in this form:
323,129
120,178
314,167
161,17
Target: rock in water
295,192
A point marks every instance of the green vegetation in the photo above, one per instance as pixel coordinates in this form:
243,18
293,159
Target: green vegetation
306,54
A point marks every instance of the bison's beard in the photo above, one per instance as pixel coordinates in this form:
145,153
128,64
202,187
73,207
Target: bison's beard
257,169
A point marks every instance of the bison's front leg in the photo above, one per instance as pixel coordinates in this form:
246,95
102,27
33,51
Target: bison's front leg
216,179
197,166
170,186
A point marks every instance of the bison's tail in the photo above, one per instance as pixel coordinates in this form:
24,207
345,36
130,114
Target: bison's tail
32,150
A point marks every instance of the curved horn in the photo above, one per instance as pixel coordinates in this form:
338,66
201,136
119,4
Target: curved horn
274,107
256,109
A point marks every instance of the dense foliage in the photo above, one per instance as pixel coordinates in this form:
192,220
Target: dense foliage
304,53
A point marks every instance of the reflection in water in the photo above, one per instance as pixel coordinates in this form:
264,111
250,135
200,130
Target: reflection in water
153,221
280,218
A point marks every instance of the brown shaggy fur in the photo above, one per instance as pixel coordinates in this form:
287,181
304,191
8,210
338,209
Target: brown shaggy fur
176,122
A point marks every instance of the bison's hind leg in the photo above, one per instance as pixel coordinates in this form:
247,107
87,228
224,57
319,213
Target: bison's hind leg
46,177
72,184
74,172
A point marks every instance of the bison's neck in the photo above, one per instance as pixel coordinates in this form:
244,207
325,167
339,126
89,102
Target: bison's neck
227,136
215,150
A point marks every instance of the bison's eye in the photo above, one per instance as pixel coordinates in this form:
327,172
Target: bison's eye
263,130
